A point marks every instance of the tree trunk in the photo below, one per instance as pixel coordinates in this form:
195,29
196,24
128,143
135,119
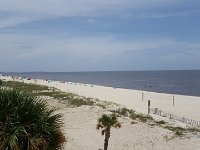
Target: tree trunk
107,136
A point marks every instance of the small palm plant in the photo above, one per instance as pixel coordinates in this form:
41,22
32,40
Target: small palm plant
27,124
106,122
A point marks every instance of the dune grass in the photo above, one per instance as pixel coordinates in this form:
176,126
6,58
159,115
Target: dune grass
29,88
179,131
161,122
69,99
132,114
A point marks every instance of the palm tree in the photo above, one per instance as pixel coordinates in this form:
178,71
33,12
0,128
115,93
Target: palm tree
106,122
27,124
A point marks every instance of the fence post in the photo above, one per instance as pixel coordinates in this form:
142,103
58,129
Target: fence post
142,96
156,110
173,100
149,103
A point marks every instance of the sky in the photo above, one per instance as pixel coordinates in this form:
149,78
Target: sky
99,35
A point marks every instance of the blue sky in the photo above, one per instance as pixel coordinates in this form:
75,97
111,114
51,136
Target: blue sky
88,35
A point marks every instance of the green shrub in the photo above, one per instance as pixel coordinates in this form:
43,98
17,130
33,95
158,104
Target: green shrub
1,82
27,124
123,112
178,133
175,128
77,102
161,122
193,130
141,117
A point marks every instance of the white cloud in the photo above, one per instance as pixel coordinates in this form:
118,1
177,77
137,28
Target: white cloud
167,15
23,11
81,7
80,53
32,46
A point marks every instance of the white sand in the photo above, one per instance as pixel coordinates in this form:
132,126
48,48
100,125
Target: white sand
80,122
81,133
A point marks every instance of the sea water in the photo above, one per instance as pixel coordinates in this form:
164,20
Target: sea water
173,82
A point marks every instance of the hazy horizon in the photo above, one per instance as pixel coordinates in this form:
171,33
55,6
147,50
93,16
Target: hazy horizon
95,71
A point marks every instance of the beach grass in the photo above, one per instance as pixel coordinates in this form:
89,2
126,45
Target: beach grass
70,99
29,88
161,122
180,130
132,114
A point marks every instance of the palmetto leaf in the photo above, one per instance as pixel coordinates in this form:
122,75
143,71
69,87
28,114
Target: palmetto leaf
117,125
27,124
99,126
108,121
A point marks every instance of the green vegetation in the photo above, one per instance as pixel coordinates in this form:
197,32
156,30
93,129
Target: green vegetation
161,122
175,128
179,130
193,129
29,88
124,112
70,99
77,102
1,82
132,114
27,124
178,133
141,117
106,122
145,118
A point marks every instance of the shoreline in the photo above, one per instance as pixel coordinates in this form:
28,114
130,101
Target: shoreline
178,105
90,84
170,82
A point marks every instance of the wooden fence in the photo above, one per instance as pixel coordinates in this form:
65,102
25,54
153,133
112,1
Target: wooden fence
161,113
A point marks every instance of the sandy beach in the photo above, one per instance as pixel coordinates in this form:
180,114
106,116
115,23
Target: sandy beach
80,122
82,135
179,105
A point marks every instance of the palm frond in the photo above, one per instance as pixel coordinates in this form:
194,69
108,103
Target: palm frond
27,123
117,125
99,125
108,120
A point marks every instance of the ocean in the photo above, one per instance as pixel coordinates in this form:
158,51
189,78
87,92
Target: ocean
185,82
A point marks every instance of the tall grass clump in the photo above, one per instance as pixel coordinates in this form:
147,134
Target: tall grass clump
27,124
1,82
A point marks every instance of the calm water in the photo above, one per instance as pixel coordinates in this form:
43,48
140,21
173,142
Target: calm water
178,82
